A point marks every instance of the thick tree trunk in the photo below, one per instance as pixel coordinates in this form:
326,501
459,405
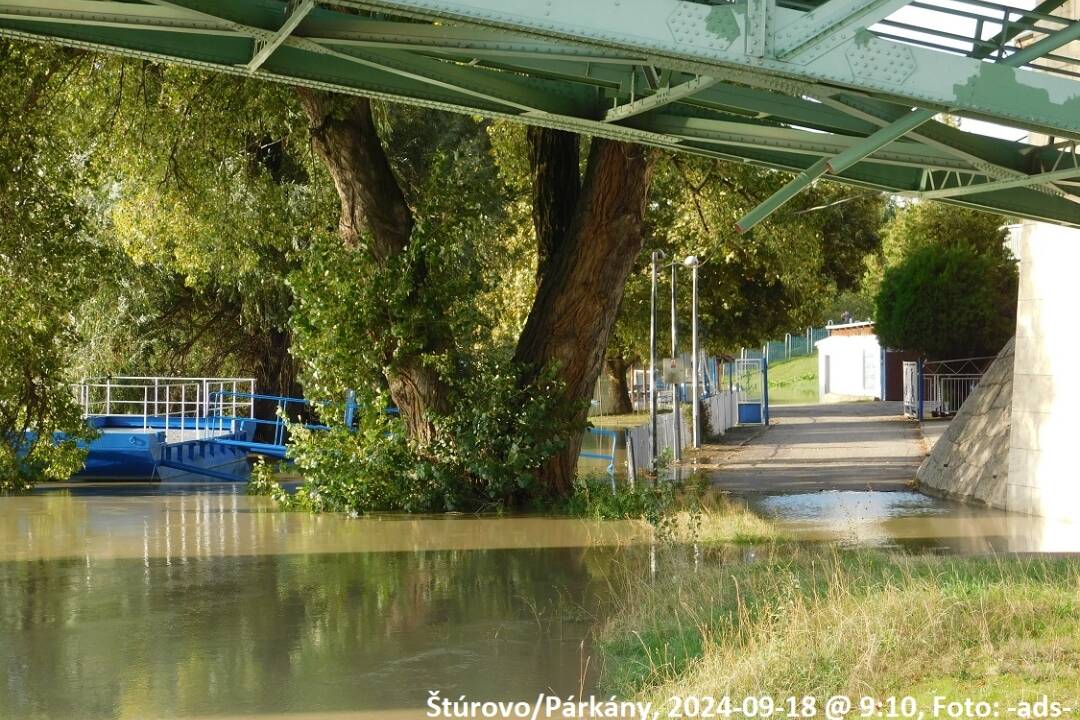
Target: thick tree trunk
275,374
583,280
555,159
617,367
344,136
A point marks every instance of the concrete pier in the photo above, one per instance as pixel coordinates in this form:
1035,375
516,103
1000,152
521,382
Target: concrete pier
1044,466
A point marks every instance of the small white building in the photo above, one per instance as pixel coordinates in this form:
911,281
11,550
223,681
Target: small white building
849,363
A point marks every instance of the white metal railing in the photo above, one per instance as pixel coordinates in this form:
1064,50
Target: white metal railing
939,388
182,404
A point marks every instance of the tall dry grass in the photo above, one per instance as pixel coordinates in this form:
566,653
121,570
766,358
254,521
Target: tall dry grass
815,621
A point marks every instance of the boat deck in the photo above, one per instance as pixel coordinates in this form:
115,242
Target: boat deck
173,436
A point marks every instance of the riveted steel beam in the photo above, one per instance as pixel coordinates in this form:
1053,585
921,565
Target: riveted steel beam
769,119
705,39
781,196
113,14
525,94
1067,173
663,96
1026,22
994,157
893,131
749,133
266,48
827,26
338,29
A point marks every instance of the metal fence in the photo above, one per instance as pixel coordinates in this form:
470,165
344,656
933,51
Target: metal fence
793,345
938,388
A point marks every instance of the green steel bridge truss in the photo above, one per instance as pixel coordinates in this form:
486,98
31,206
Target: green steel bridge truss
856,92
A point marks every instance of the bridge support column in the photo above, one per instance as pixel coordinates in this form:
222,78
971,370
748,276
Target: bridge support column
1044,446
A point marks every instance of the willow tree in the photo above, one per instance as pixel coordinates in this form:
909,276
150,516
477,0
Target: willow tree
46,263
588,228
209,201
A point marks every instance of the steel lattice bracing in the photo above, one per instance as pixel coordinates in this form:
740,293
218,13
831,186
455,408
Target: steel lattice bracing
848,90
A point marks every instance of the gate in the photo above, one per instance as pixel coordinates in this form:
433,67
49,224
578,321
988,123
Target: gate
752,391
938,388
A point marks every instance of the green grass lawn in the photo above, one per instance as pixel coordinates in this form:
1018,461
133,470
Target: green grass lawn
794,382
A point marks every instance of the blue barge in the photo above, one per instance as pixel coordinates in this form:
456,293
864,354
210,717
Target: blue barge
169,429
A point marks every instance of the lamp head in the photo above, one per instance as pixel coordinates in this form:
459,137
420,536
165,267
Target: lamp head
691,261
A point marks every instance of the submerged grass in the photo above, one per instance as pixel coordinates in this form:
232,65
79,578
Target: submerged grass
818,621
683,512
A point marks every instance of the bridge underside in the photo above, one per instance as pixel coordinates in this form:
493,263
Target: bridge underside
850,90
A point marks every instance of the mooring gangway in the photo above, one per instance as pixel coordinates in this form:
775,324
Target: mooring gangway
166,427
179,428
169,428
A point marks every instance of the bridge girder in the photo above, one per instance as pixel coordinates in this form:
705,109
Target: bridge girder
776,83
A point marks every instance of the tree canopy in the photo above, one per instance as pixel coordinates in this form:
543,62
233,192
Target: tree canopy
45,262
949,287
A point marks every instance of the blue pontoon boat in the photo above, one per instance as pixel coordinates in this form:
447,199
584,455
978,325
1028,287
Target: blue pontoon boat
168,429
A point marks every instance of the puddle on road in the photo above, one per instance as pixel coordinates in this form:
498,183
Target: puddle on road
914,521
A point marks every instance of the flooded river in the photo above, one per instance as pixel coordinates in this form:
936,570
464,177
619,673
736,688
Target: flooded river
141,602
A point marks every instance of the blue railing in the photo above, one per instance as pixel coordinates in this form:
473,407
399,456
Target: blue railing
610,457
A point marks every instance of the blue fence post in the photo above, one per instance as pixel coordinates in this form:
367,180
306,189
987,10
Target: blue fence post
350,407
765,389
919,391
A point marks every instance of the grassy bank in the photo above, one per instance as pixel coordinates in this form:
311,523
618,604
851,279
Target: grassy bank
816,621
794,382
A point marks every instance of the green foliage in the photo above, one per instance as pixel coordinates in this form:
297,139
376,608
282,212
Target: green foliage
208,201
486,455
921,224
45,260
680,511
948,302
594,497
751,288
264,483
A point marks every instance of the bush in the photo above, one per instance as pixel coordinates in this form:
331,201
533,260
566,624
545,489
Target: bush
485,457
949,302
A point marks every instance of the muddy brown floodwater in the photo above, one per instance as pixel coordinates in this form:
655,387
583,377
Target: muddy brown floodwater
128,601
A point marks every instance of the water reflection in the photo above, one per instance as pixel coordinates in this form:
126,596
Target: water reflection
914,521
219,521
167,601
184,606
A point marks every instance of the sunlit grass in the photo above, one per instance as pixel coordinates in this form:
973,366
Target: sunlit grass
817,621
794,382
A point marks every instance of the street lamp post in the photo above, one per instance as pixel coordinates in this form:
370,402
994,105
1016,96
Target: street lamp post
676,421
657,254
693,263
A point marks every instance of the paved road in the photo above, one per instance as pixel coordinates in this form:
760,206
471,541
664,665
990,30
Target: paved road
845,446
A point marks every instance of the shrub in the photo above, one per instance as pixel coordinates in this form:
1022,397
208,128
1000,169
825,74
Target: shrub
949,302
485,457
